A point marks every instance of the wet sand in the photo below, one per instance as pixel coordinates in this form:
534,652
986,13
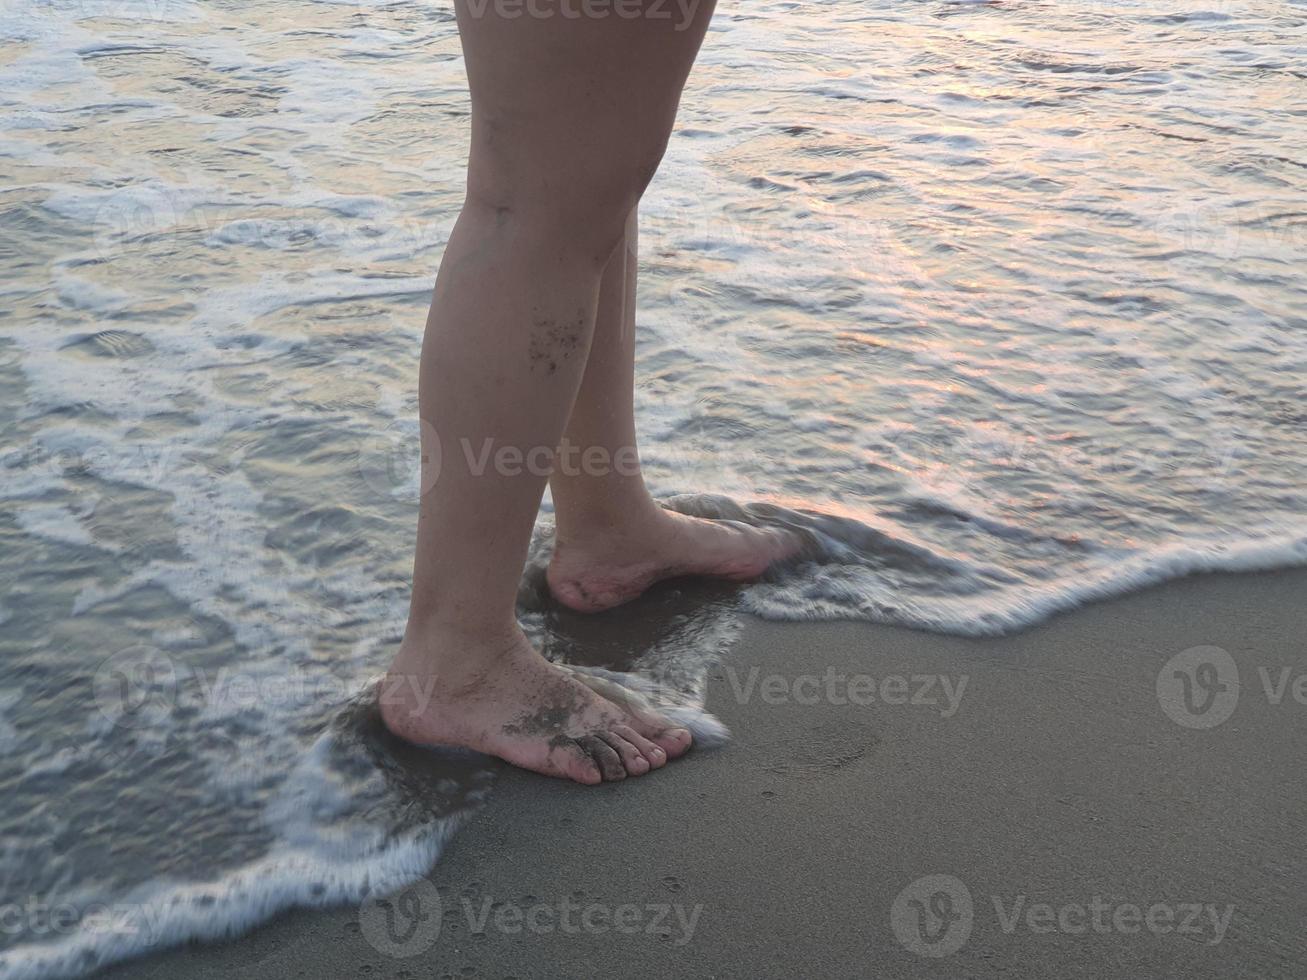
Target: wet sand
1093,828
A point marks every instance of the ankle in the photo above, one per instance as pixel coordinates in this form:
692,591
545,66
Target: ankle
423,677
603,524
450,654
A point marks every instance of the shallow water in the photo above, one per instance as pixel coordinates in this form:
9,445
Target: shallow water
1000,302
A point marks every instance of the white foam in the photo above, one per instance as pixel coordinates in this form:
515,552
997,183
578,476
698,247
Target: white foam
161,915
313,863
54,522
836,591
646,692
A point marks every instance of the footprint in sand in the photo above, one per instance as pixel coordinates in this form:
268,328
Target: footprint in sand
818,751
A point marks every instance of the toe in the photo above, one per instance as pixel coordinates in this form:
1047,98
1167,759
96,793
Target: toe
652,754
640,715
570,760
609,762
673,741
633,759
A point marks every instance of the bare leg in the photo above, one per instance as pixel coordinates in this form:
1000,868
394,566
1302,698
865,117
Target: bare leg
569,120
613,540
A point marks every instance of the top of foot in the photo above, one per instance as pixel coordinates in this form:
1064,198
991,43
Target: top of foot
598,572
521,708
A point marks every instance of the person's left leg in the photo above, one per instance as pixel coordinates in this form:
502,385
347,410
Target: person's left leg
570,117
612,539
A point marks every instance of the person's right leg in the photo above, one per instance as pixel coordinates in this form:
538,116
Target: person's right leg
612,540
569,120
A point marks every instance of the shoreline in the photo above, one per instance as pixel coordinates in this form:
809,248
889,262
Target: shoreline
1063,813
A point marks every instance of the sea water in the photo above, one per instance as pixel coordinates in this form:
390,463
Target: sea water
1000,304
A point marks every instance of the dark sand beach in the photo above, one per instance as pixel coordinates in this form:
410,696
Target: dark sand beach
1092,833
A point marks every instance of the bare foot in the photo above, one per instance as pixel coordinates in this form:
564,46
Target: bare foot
613,567
518,706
